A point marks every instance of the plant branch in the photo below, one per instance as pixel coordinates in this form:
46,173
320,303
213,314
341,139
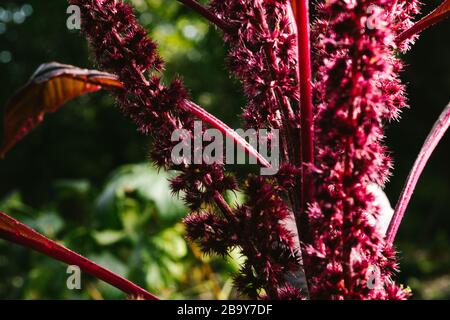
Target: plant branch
306,106
214,122
223,205
194,5
16,232
440,13
433,139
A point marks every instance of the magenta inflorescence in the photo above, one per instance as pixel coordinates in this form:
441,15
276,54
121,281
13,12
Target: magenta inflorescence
356,90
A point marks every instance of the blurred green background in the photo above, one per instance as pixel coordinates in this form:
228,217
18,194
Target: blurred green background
81,177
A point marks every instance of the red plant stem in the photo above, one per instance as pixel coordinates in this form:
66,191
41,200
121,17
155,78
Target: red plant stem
437,15
223,206
221,203
214,122
433,139
194,5
306,105
16,232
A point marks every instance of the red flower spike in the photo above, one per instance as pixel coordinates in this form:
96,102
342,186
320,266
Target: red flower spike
351,75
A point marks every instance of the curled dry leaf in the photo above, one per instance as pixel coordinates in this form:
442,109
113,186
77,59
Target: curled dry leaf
50,87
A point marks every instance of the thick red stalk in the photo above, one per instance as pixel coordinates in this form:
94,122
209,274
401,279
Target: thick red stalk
306,105
194,5
436,134
16,232
437,15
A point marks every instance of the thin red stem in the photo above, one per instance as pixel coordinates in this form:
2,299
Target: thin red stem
440,13
16,232
214,122
306,104
433,139
194,5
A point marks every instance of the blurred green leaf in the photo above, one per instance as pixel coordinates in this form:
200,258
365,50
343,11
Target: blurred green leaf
145,183
108,237
172,242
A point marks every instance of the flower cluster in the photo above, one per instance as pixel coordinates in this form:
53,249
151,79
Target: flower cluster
402,15
120,46
262,55
269,246
356,90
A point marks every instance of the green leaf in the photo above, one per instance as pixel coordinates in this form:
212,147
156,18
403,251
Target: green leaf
108,237
146,183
